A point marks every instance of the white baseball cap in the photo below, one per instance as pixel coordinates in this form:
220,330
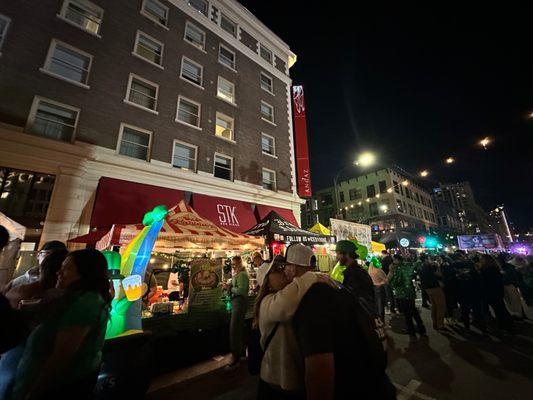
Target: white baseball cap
262,272
301,255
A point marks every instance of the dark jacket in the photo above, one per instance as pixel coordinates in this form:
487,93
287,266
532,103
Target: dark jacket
358,280
492,280
428,278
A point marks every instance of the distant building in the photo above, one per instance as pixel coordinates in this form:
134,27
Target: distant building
500,225
448,217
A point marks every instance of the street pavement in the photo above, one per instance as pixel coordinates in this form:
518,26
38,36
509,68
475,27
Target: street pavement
456,365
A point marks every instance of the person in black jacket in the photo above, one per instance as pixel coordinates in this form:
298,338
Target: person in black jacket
355,277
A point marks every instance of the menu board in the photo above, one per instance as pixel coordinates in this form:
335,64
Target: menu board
205,291
345,230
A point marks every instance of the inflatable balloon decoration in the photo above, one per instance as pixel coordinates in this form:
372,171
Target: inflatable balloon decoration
338,272
128,285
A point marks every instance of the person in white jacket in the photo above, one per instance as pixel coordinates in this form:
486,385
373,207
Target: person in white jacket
282,368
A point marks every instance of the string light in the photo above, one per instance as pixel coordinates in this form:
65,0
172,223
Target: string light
389,190
484,142
450,160
405,183
424,173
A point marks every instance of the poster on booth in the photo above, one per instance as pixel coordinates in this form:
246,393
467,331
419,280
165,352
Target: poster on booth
346,230
480,242
205,291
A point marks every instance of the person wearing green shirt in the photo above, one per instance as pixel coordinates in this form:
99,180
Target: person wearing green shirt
401,280
239,301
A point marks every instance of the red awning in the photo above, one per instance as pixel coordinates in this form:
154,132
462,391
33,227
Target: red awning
123,202
89,238
234,215
262,211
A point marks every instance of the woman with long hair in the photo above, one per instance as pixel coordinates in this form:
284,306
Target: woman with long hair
63,354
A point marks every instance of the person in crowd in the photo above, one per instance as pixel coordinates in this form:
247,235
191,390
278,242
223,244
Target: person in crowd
355,277
282,367
401,279
379,279
63,354
512,280
257,259
469,292
430,284
493,291
239,300
419,261
524,265
386,261
336,364
32,275
449,282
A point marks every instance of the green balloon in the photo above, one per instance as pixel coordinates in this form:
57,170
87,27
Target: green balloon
338,273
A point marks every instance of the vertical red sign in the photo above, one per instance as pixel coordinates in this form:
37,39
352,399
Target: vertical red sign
303,171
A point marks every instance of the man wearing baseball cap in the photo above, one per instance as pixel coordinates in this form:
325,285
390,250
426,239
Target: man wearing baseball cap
355,277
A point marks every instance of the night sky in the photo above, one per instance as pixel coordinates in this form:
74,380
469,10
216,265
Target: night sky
415,86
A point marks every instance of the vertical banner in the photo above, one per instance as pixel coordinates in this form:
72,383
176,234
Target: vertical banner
303,171
205,292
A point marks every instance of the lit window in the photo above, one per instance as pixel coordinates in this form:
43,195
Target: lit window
226,57
149,48
228,25
194,36
188,112
184,156
142,92
265,53
4,24
134,142
200,5
223,167
156,11
268,144
191,71
269,179
267,83
267,112
224,126
83,14
52,120
68,62
226,90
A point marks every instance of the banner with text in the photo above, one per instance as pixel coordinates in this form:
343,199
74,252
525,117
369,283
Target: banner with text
346,230
303,171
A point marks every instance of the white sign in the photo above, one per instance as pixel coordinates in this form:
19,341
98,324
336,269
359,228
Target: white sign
345,230
226,215
404,242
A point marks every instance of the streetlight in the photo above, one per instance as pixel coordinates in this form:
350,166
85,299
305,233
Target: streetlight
484,142
424,173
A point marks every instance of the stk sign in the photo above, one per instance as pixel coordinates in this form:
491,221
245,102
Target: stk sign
235,215
227,215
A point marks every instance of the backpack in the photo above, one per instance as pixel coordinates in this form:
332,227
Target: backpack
256,352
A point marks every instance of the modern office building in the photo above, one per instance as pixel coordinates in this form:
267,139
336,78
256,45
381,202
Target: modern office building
109,107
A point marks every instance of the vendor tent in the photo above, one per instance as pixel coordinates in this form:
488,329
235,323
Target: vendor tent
274,227
377,247
183,228
320,229
16,230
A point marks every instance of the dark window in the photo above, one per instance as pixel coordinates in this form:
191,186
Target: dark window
396,187
373,208
382,187
355,194
399,205
341,197
370,191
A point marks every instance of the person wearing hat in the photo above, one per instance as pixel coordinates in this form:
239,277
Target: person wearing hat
355,277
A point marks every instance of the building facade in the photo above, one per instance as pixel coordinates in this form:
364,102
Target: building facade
187,95
448,217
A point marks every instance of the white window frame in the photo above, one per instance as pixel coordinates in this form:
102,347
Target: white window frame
180,97
234,102
46,67
195,168
131,103
134,52
194,26
273,145
151,17
201,85
232,165
84,3
4,34
119,141
261,45
262,74
33,112
234,69
273,116
219,115
231,21
275,181
207,8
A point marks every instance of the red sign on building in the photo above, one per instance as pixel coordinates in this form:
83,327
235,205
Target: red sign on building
303,171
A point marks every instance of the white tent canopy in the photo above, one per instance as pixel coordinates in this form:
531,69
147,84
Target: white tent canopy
16,230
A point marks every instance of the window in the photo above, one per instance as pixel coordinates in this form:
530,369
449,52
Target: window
399,205
417,197
156,11
224,126
148,48
396,187
142,92
267,112
268,144
382,187
134,142
408,193
68,63
228,25
52,120
223,167
200,5
373,209
184,156
192,72
370,191
341,197
269,179
226,57
226,90
194,36
188,112
265,54
355,194
4,24
83,14
267,83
